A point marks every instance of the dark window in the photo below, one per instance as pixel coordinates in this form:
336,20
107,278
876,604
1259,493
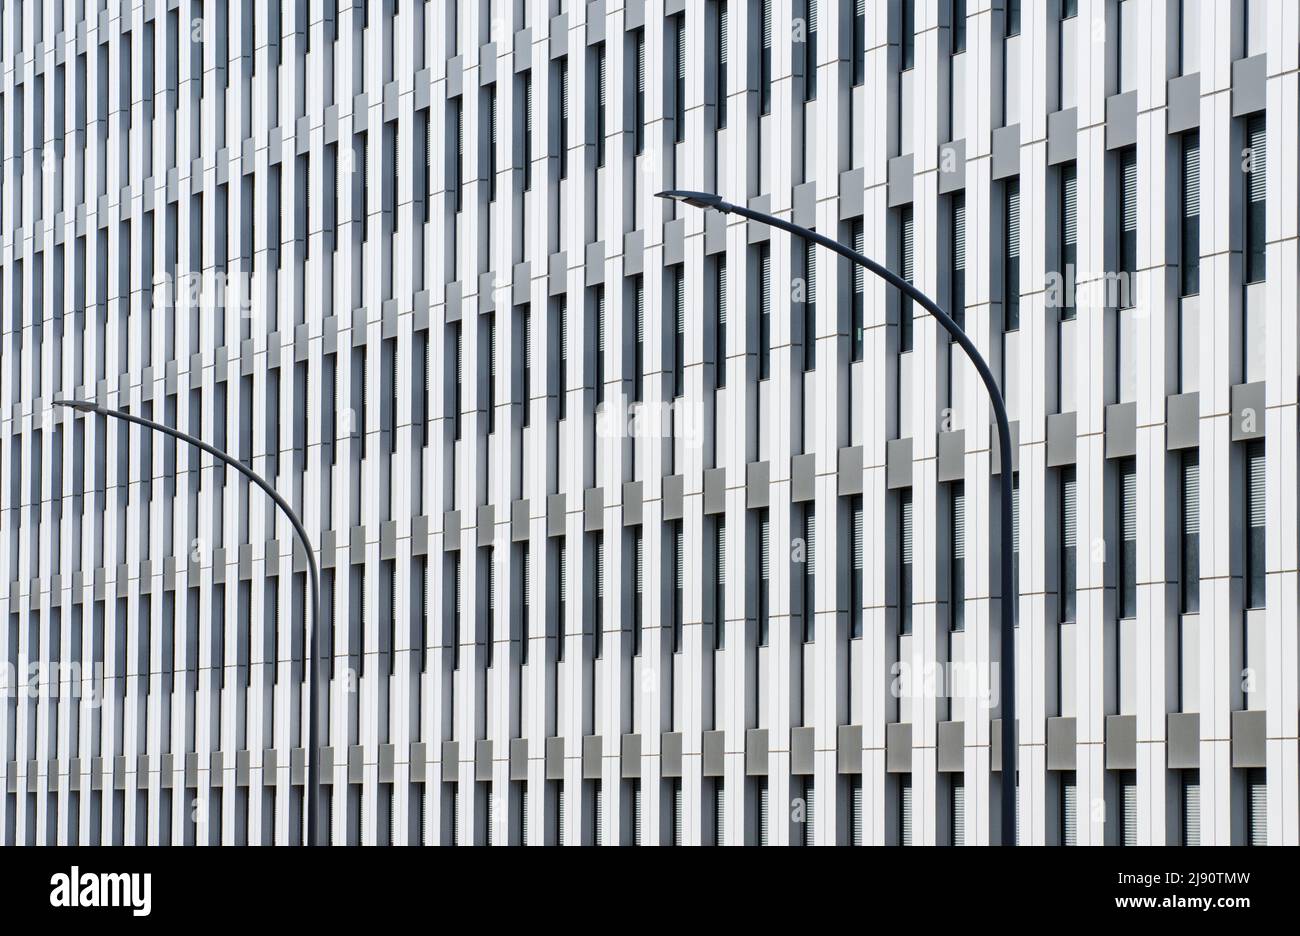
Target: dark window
1128,521
1069,238
957,286
764,312
719,582
1069,543
765,60
857,337
677,302
906,269
1255,507
600,106
1013,17
905,561
1127,224
1190,240
810,306
679,90
563,67
764,576
859,41
1255,191
1189,554
908,34
810,52
638,140
720,73
957,569
958,26
720,322
1011,268
809,573
855,567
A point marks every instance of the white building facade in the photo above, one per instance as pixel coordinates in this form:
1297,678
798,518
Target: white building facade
640,525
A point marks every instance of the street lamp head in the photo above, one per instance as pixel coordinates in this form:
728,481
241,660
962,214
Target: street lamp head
81,405
698,199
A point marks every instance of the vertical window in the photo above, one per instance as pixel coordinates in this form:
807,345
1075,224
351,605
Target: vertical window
564,117
491,377
810,52
1128,808
1255,506
458,164
600,105
1191,784
1190,221
908,34
957,810
809,573
638,351
458,350
492,139
720,66
957,567
638,138
638,593
859,41
677,298
1128,521
1256,807
528,131
1255,192
1128,223
600,345
1069,237
678,573
1011,259
719,582
764,312
679,88
957,286
1013,17
855,567
858,329
1069,809
904,809
765,60
720,322
1069,542
527,389
907,271
562,375
1189,553
905,561
810,306
958,26
764,575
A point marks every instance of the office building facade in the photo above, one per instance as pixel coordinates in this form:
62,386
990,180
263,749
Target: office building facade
640,524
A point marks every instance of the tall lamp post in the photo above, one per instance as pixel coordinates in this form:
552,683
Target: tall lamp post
315,684
1007,673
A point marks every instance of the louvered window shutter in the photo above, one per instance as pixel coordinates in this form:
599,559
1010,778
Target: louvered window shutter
958,810
1191,809
1070,510
1069,810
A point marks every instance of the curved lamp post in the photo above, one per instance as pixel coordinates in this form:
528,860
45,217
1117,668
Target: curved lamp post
1007,673
315,685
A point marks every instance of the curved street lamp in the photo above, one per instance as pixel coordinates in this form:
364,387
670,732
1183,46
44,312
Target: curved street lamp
315,685
1007,673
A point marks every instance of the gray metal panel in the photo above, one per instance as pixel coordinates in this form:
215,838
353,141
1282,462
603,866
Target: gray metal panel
633,14
518,758
1249,85
387,539
950,741
1006,152
1183,740
521,282
633,503
1248,734
1062,442
898,464
951,449
450,762
898,747
216,769
1121,742
715,233
593,510
419,536
670,754
1183,421
593,752
418,761
803,748
1183,103
804,204
630,757
756,233
1121,120
849,470
298,766
900,180
243,767
674,241
483,759
1061,743
995,743
673,494
595,264
356,763
633,253
555,509
712,751
451,531
554,762
1121,430
757,484
557,273
595,21
451,311
270,766
715,490
191,769
995,453
387,762
952,167
756,752
487,525
1247,412
848,749
519,521
1062,136
803,478
852,188
166,768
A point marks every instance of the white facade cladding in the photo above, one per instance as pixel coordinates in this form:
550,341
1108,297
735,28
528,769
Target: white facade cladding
633,518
